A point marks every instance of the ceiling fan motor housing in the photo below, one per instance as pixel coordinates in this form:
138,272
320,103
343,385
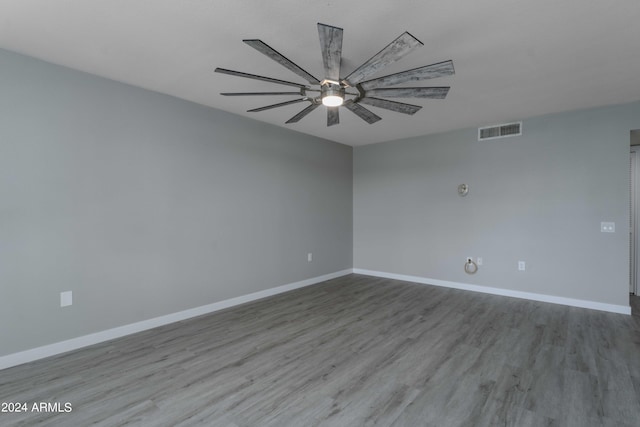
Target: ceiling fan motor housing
332,90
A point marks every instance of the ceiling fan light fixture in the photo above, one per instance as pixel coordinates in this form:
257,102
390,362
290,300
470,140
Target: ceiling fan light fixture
332,95
332,100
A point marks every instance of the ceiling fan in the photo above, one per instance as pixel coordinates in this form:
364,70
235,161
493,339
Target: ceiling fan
353,90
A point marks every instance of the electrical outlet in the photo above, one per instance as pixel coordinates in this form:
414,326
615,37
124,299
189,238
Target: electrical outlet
479,261
66,298
309,257
521,266
608,227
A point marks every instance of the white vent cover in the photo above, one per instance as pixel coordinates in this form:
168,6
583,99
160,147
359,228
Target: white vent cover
500,131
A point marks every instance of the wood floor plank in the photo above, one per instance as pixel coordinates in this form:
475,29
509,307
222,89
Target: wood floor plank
356,351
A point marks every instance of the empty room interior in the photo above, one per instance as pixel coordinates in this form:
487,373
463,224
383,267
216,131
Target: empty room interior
292,213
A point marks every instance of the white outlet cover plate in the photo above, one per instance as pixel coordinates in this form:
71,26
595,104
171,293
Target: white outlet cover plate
522,265
66,298
608,227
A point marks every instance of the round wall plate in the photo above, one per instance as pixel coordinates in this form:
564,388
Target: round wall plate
463,189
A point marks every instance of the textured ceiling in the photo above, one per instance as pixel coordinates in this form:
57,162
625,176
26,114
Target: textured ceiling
513,58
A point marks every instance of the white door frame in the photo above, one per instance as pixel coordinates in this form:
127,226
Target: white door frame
634,186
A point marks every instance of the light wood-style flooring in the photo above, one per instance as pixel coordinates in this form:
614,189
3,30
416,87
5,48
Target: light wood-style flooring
353,351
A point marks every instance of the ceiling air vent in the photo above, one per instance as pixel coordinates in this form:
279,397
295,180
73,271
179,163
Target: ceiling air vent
500,131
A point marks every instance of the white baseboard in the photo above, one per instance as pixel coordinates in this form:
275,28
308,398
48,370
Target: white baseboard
621,309
98,337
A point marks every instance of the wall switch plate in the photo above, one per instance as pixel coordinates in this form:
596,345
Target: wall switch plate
608,227
309,257
479,261
522,266
66,298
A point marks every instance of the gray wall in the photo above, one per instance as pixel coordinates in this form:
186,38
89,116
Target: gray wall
145,205
539,198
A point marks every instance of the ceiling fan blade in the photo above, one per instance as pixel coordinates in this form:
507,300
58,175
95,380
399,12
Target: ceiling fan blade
256,77
399,107
410,92
331,47
362,112
264,48
303,113
258,93
333,116
422,73
280,104
395,50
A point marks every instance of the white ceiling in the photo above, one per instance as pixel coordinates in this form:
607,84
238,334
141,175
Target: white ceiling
513,58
